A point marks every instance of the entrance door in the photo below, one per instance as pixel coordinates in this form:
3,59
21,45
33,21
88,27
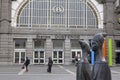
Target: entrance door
19,56
117,59
39,57
58,57
76,53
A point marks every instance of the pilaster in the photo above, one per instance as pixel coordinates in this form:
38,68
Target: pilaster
48,49
5,18
6,47
109,17
67,53
29,48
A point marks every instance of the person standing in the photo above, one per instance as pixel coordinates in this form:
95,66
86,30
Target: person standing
50,62
27,62
76,60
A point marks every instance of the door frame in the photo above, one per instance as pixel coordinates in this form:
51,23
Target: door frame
75,50
58,56
116,52
19,50
38,56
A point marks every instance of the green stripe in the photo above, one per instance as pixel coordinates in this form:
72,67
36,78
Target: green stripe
110,52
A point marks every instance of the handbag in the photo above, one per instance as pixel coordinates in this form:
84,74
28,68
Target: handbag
23,67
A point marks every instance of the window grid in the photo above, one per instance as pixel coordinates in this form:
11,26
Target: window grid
56,13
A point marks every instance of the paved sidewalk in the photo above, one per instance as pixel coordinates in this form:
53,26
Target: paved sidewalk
39,72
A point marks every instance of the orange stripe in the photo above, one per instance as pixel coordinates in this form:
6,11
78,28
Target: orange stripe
104,49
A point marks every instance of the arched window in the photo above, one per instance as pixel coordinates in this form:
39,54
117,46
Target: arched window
57,14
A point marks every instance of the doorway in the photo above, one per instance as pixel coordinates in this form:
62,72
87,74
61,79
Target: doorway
39,57
19,56
58,56
76,53
117,59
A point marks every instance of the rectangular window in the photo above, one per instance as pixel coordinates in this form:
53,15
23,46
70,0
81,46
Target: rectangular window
117,43
58,44
20,44
117,58
75,44
39,44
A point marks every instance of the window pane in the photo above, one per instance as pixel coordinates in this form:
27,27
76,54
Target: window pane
41,54
16,57
20,44
55,60
35,60
39,44
57,13
36,54
41,61
55,54
60,54
58,44
60,61
75,44
22,57
73,54
117,43
79,54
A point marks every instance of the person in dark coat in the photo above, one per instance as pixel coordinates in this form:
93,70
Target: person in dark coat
83,67
101,70
50,62
27,62
76,60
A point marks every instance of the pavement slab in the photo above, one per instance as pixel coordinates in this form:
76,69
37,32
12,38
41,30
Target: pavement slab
39,72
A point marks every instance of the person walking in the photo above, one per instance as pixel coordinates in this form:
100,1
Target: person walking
76,60
26,63
50,62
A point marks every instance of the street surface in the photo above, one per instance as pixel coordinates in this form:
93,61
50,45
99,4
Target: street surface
39,72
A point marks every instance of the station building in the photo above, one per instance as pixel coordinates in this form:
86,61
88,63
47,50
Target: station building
39,29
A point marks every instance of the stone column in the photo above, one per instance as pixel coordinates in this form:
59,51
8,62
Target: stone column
109,17
67,53
109,21
29,48
6,49
48,49
5,18
5,30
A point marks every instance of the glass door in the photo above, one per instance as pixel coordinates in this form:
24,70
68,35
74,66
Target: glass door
117,59
35,57
76,53
58,57
19,56
39,57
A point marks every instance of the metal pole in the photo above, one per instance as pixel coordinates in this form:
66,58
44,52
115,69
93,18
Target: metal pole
92,58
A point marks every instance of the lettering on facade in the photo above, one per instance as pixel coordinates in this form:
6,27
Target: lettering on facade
42,36
60,36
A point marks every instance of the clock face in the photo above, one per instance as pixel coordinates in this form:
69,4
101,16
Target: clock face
58,9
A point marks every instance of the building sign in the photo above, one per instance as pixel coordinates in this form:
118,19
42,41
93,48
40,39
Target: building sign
58,36
42,36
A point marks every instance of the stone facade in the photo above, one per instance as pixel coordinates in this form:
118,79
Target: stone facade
8,33
5,32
